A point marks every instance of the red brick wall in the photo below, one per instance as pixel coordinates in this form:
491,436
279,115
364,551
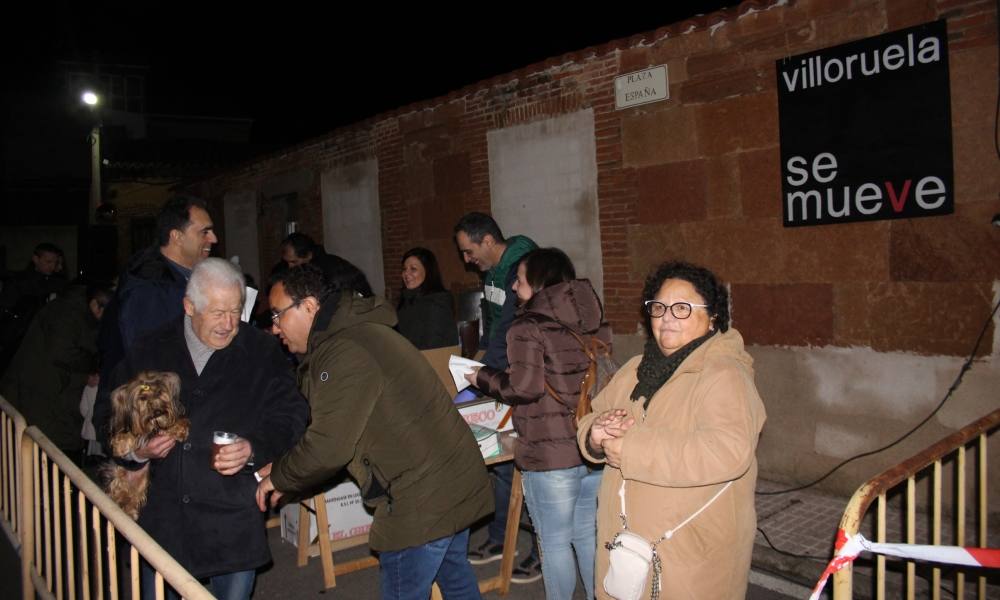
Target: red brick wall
697,177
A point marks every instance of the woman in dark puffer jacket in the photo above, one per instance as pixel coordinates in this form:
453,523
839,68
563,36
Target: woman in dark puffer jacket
559,487
426,310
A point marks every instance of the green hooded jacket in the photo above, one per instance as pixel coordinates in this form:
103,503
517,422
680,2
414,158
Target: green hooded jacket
379,408
496,285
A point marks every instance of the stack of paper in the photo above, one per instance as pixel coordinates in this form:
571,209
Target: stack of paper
459,367
488,439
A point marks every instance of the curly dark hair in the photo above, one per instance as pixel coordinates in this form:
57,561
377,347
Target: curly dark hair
304,281
705,283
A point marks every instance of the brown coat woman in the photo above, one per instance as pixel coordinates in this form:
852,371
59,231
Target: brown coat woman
547,364
677,425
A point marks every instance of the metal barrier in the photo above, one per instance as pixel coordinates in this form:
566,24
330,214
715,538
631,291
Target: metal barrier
908,472
59,502
12,427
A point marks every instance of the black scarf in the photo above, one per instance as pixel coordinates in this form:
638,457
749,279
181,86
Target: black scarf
656,368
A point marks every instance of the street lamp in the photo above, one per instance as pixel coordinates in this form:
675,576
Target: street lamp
92,100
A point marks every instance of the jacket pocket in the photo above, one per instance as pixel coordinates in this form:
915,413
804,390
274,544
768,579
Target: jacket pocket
375,487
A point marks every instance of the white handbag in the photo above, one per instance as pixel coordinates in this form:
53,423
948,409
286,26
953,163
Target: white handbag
630,556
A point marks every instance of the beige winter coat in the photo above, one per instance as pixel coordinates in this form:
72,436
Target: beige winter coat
700,431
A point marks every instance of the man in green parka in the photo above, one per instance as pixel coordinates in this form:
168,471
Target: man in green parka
379,408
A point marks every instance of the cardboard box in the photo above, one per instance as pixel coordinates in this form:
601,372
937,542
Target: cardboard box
347,515
485,412
438,358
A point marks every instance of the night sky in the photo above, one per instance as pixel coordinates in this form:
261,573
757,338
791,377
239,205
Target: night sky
306,69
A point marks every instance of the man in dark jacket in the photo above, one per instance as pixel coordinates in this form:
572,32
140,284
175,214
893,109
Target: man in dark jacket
379,408
152,286
55,361
299,249
233,378
24,294
482,244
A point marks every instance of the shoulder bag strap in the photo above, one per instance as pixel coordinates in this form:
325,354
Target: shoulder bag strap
670,532
586,350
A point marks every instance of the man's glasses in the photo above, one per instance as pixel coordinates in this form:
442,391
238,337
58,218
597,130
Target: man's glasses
276,314
680,310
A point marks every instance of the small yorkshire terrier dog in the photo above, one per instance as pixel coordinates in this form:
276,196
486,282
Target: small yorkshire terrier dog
141,409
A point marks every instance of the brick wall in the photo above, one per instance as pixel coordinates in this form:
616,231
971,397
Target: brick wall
697,177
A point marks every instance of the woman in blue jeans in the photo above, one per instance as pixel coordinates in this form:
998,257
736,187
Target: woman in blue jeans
547,364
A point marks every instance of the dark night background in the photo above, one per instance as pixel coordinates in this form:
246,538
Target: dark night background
223,82
299,70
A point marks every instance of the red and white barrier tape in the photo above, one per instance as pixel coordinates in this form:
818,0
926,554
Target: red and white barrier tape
849,548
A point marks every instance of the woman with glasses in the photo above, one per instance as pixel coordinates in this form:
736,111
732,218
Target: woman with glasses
678,429
426,310
547,364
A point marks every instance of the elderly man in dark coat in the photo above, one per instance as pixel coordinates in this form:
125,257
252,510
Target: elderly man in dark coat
379,408
233,378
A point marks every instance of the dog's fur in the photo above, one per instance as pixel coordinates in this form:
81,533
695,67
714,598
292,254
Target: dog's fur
141,409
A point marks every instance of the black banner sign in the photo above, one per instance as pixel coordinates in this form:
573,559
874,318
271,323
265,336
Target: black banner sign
866,129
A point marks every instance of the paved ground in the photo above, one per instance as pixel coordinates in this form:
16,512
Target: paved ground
10,570
285,580
801,523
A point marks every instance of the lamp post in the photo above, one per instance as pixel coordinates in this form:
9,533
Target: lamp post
92,100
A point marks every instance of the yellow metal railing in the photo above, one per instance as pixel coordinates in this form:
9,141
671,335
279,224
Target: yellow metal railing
12,427
66,529
925,463
60,502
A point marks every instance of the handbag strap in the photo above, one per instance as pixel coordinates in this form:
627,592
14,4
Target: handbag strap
590,358
670,532
552,392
